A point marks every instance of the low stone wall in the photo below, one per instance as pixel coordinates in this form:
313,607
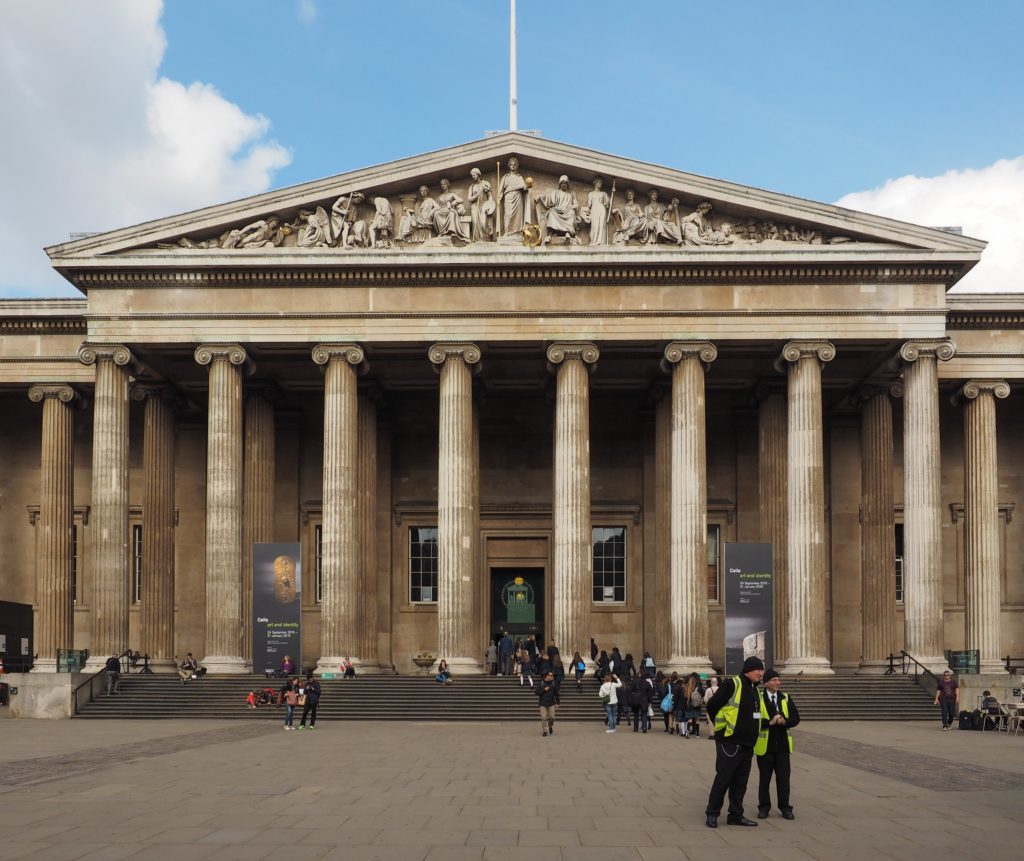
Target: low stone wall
1000,684
46,696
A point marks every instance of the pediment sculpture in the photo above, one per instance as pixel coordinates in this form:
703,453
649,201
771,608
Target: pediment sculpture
513,210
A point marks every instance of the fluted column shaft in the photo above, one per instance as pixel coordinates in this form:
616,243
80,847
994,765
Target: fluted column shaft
456,519
224,508
339,605
773,441
157,597
366,513
54,599
806,586
981,510
258,503
662,528
688,594
572,536
109,542
922,529
878,540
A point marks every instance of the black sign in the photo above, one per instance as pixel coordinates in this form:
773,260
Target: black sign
963,662
276,605
748,605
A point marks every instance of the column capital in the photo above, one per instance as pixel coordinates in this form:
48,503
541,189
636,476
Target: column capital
351,353
794,351
207,354
559,351
676,351
972,389
90,354
942,349
153,391
60,391
439,353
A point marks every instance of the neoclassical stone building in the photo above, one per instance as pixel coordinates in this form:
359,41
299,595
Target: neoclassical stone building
478,377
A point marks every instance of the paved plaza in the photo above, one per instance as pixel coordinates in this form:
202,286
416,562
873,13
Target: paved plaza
411,791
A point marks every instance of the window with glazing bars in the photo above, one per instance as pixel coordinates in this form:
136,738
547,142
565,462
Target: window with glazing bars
423,564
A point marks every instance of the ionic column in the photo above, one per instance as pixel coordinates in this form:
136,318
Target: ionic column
773,441
572,538
157,594
339,604
224,507
877,531
258,449
806,586
110,546
688,587
54,600
981,526
922,498
366,514
456,518
662,529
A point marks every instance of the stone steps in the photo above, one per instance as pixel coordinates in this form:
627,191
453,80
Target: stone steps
481,698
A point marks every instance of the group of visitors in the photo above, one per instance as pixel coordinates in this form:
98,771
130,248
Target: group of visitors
300,692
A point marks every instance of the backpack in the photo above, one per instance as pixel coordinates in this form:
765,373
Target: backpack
696,699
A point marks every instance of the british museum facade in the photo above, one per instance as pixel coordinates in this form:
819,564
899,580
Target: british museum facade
516,385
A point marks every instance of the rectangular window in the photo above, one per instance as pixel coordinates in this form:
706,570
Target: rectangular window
609,546
136,563
714,555
74,564
423,564
318,562
899,563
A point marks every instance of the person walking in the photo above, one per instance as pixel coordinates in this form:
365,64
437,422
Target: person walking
113,670
547,699
609,694
579,668
524,668
313,691
775,746
694,706
491,659
291,699
505,654
737,723
603,666
647,666
947,695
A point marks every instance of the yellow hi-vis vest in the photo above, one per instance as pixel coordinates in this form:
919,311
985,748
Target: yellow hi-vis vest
725,720
761,746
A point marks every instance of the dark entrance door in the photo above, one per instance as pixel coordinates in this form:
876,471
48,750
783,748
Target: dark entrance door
517,603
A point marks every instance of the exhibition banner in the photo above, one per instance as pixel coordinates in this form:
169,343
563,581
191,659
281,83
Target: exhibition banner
748,605
276,605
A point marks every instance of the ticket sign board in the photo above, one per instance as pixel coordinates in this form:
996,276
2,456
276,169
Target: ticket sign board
276,605
749,631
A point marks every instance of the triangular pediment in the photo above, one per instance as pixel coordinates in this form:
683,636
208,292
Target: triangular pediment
381,213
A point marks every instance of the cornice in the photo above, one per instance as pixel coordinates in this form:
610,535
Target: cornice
960,320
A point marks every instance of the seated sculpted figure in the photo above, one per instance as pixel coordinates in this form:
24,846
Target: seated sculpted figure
659,220
419,218
632,221
697,229
562,212
449,212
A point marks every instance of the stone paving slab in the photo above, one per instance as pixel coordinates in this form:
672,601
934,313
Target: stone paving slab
373,792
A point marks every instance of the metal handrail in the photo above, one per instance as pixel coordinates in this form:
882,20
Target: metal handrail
89,681
917,664
1013,664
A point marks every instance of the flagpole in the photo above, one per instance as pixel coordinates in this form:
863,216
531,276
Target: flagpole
513,104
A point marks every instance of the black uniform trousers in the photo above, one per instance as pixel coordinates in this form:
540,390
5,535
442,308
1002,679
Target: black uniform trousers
732,769
777,763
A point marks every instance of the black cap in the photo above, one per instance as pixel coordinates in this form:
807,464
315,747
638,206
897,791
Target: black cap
751,664
768,676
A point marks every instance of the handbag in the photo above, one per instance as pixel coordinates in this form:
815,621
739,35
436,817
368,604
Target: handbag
666,703
301,701
606,699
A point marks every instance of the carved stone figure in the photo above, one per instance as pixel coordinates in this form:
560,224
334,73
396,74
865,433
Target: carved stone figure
314,228
265,233
596,214
416,223
382,226
347,228
481,208
659,220
562,212
697,229
449,213
512,193
632,221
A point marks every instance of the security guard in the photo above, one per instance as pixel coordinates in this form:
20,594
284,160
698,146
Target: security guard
775,746
735,711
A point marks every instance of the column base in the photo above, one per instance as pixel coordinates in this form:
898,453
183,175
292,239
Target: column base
872,668
163,665
808,667
936,663
461,667
44,665
224,665
696,664
95,663
332,664
991,667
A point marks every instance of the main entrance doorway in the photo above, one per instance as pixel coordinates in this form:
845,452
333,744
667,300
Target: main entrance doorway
517,603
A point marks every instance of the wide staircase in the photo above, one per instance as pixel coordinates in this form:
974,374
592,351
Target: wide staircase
480,698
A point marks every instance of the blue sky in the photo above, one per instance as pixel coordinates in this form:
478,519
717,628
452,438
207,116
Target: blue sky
193,103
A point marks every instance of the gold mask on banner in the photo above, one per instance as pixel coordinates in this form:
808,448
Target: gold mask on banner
284,579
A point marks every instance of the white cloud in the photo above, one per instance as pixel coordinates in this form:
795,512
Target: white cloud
94,139
987,203
307,11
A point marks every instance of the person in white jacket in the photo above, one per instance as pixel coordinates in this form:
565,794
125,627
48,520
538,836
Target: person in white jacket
609,694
